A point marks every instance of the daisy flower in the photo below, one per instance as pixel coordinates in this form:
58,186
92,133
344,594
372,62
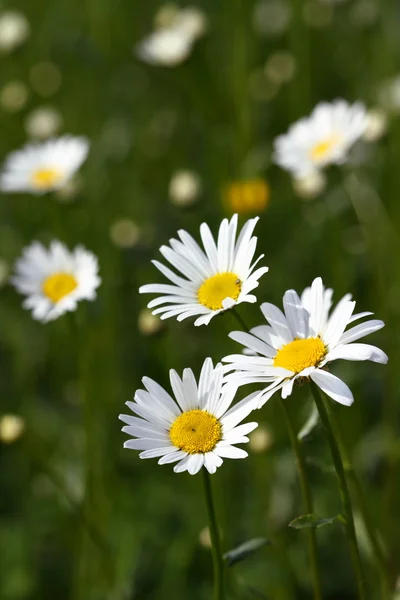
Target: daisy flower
172,42
54,280
323,138
301,342
197,428
42,167
213,280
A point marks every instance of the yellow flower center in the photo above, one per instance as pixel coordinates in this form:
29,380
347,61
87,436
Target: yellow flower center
196,432
215,289
46,178
247,196
300,354
321,150
59,285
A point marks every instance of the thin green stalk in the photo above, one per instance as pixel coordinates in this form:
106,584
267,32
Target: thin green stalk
343,489
215,540
239,319
307,499
362,505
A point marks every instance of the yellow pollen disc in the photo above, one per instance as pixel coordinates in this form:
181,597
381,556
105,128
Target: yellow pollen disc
196,432
59,285
321,150
46,178
300,354
215,289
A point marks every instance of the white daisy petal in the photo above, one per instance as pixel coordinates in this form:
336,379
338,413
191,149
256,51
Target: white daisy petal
295,314
230,452
172,457
214,279
212,462
195,462
333,387
55,280
357,352
361,330
278,322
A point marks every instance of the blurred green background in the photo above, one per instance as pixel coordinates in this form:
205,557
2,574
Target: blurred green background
138,532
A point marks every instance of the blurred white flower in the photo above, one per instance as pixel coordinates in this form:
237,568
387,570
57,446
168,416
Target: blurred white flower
43,122
14,30
124,233
310,185
323,138
55,280
11,428
377,123
171,44
41,167
260,440
271,17
13,96
149,324
184,188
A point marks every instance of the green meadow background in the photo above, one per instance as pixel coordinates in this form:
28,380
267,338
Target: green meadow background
135,533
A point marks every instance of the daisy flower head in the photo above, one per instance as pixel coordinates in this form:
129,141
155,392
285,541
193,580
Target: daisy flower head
54,280
42,167
300,342
196,428
172,42
210,280
323,138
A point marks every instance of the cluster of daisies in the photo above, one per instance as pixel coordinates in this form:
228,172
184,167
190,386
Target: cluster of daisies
200,424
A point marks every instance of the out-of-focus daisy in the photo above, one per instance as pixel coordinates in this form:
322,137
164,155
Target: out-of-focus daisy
54,280
377,124
172,43
301,342
251,196
214,280
197,428
14,30
43,122
184,188
323,138
42,167
309,186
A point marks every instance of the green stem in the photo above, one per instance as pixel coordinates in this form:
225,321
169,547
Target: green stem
307,499
343,489
362,505
239,319
215,540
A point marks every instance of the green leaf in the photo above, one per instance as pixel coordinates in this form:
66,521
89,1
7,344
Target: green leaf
244,550
311,520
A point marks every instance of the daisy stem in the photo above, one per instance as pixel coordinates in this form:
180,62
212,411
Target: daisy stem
307,499
343,488
215,539
239,319
362,505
